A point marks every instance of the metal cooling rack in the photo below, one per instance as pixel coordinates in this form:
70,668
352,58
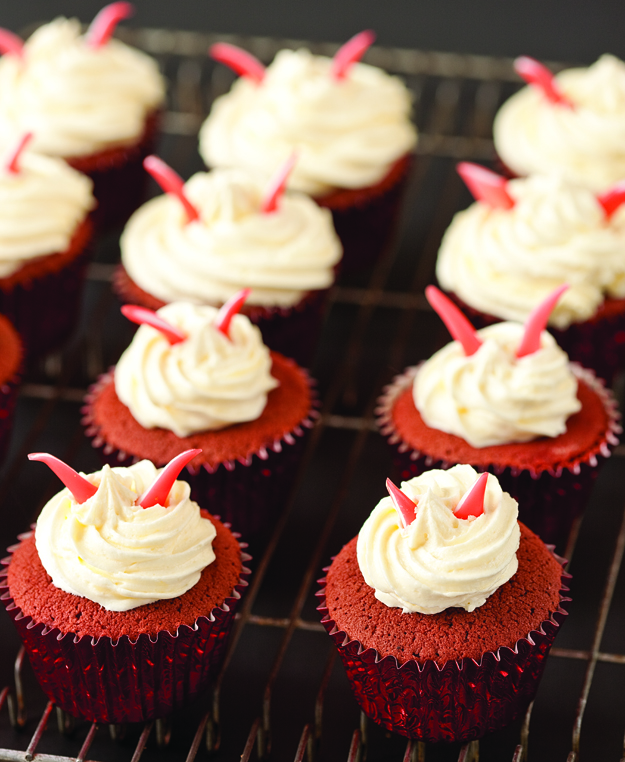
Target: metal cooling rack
282,691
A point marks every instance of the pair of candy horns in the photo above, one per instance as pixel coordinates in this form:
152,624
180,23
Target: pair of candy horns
492,189
248,66
82,489
463,332
171,182
99,33
471,504
174,335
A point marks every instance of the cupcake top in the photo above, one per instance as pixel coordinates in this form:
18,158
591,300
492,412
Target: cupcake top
505,261
279,255
584,143
113,551
206,382
493,397
439,561
41,204
77,99
347,132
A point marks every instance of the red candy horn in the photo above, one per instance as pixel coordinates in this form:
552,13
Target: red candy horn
472,504
13,162
537,322
486,186
537,75
457,324
143,316
229,310
403,504
11,44
351,52
80,488
158,493
277,185
612,199
171,183
103,25
240,61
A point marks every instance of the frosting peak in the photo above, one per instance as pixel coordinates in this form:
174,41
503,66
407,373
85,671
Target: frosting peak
440,561
114,552
492,397
348,132
208,381
76,98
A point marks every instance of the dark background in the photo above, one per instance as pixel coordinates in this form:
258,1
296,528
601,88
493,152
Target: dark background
576,31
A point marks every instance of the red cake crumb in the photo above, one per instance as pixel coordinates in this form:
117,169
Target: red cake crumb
584,431
511,613
287,406
32,590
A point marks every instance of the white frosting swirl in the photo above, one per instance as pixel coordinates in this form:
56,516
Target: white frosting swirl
492,397
233,245
585,144
440,561
40,208
208,381
505,262
347,133
118,554
76,99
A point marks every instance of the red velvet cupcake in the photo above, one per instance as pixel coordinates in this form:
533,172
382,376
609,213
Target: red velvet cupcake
44,246
156,613
444,608
11,357
245,409
226,230
507,403
90,100
349,123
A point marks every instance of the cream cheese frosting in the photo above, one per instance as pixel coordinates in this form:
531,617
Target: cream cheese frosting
492,397
77,99
505,261
585,144
208,381
439,561
41,206
114,552
279,255
347,133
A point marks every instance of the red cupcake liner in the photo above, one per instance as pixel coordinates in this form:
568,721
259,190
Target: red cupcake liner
42,299
597,343
550,498
459,701
365,218
249,493
105,680
292,331
119,179
8,399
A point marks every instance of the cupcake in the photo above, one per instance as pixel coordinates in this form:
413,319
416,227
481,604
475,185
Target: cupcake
216,388
506,253
572,125
505,399
90,100
226,230
124,593
45,237
11,357
444,608
349,122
